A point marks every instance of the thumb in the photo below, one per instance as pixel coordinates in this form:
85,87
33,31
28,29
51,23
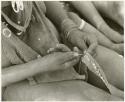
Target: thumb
92,48
81,45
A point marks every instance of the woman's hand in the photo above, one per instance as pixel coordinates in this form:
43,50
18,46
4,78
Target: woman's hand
101,38
51,62
83,41
60,60
63,56
88,11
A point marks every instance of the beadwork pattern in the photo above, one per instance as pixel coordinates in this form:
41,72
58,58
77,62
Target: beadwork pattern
95,68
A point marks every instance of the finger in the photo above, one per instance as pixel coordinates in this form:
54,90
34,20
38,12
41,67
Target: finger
92,48
59,48
81,45
67,56
113,35
71,63
102,39
62,47
118,38
118,48
75,17
92,42
76,49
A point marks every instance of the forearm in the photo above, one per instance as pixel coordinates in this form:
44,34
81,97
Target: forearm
113,10
103,40
55,12
88,10
20,72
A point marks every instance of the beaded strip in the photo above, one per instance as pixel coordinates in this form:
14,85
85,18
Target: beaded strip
95,68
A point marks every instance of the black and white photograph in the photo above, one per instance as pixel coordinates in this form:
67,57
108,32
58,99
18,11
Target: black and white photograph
62,50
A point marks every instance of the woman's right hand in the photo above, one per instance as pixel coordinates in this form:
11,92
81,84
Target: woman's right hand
59,60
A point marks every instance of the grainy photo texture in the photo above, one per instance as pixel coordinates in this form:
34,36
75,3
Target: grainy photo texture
62,50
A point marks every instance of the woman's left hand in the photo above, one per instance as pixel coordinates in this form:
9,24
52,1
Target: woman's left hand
84,41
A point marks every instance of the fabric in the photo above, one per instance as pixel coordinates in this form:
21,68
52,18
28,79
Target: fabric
72,90
88,60
16,51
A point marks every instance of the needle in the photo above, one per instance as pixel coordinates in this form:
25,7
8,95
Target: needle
80,54
77,54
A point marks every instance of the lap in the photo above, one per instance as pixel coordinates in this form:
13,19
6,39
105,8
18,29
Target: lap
65,90
112,64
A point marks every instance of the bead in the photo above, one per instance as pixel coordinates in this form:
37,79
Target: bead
39,56
49,50
57,45
94,65
6,24
18,22
99,75
39,39
19,33
97,71
87,58
102,78
7,32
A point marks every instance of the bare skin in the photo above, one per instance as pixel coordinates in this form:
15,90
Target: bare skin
94,17
9,74
66,86
66,89
77,38
112,9
107,61
74,90
102,40
112,64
